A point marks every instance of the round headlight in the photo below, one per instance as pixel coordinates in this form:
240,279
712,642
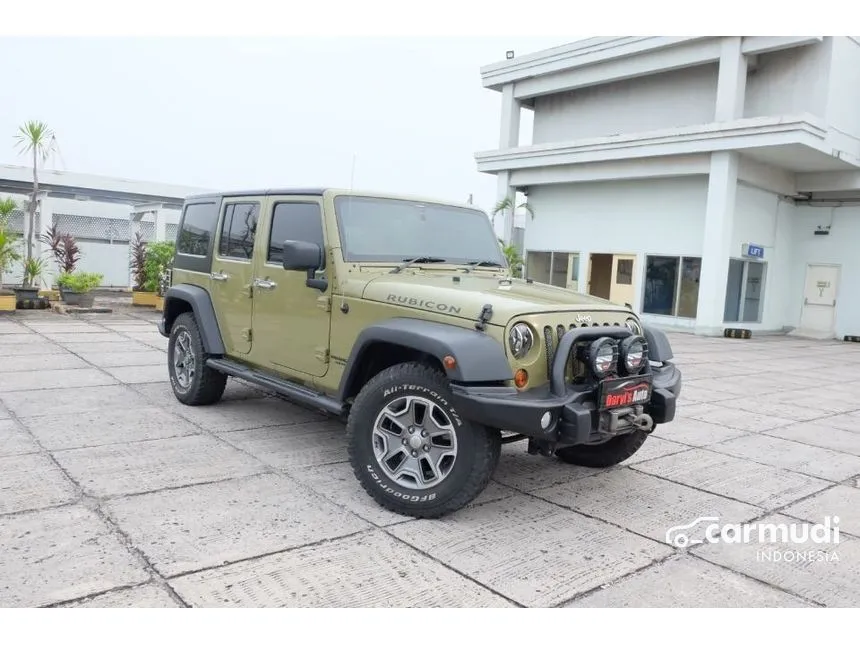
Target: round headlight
603,356
520,339
633,325
632,354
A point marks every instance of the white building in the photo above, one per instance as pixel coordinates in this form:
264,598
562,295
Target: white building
710,182
103,213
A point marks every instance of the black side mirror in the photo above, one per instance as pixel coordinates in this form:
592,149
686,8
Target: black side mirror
302,256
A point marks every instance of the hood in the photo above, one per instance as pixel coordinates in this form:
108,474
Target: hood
464,294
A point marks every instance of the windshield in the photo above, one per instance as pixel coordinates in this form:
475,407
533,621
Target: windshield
391,230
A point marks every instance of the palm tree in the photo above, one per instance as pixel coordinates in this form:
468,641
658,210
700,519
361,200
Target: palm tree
507,204
37,138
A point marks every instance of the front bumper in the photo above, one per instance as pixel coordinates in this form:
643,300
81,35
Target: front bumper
575,417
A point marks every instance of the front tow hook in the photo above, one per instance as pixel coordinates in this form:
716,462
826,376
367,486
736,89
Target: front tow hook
643,422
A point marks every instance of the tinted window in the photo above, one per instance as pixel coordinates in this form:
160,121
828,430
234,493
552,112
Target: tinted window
198,225
292,221
390,230
238,231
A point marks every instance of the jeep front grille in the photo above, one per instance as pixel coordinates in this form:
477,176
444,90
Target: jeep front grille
553,337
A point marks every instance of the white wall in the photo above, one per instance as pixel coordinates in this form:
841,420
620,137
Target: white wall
668,100
840,247
843,101
790,81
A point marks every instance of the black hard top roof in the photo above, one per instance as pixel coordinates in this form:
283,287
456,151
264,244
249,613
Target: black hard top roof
318,192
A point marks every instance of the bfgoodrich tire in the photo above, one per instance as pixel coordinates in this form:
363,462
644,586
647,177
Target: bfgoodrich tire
603,455
193,383
409,448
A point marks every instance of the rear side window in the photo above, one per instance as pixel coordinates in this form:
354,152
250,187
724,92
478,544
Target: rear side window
294,221
198,226
238,231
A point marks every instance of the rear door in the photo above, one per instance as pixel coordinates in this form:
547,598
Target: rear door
233,272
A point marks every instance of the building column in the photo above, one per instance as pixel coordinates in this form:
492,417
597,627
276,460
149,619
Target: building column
509,137
44,221
722,193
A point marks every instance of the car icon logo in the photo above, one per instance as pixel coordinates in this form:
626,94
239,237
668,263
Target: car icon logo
678,537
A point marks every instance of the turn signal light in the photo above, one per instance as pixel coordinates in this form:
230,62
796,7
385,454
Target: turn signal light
449,362
521,378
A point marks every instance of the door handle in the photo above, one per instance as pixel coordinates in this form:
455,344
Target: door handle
265,284
220,277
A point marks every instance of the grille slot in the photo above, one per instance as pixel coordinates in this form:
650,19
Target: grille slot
550,352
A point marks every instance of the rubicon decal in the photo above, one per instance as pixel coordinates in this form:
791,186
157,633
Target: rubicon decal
424,304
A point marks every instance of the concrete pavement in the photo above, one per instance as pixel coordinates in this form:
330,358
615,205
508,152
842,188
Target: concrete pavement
114,494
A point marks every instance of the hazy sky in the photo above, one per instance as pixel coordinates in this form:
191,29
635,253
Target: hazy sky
238,113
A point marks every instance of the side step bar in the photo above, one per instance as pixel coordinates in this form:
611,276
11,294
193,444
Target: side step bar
290,390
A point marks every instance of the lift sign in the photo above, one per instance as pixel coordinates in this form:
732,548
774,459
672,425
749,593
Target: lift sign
754,251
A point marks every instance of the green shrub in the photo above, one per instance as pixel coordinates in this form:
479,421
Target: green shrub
80,282
159,257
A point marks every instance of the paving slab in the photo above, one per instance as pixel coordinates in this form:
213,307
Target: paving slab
47,329
32,363
72,400
140,373
110,426
294,446
531,551
524,472
10,327
644,504
840,501
148,596
235,390
178,531
14,439
124,359
337,483
688,582
32,481
823,435
739,479
34,347
694,432
101,337
829,575
92,347
732,417
121,469
367,570
53,379
791,455
20,337
61,554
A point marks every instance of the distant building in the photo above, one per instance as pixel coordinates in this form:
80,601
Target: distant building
98,211
710,182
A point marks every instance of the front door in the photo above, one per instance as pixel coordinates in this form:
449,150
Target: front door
621,291
233,273
819,299
291,320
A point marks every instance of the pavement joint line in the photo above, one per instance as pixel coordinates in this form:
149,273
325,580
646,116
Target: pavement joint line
450,567
98,594
94,505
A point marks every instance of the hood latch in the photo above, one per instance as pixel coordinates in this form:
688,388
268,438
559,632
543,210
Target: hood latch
484,317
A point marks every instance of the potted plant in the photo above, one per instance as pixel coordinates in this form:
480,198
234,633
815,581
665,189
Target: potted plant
34,267
137,263
64,249
9,255
77,288
157,258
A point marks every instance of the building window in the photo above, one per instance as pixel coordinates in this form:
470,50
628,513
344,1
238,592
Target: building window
198,226
294,221
671,285
744,291
238,230
624,273
558,268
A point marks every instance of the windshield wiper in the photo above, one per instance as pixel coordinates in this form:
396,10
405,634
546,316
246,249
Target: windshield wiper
408,262
484,263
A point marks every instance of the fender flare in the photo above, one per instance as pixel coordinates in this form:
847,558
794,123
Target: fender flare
204,313
479,358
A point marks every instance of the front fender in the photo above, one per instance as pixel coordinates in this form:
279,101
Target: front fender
178,299
479,358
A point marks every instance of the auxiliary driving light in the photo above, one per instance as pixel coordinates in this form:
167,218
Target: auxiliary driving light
603,356
545,420
632,354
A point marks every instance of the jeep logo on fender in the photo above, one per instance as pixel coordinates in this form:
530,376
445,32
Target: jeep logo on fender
424,304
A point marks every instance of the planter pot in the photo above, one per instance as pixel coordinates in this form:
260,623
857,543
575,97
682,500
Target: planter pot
77,299
159,303
24,294
50,294
144,298
8,302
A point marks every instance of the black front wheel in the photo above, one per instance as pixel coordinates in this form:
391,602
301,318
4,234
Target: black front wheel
193,383
409,448
603,455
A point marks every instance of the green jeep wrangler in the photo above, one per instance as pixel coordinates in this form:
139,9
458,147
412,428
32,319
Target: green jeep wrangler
401,317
